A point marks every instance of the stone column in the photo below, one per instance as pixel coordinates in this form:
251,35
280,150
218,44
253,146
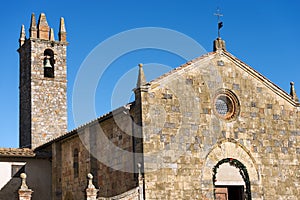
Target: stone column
24,191
91,191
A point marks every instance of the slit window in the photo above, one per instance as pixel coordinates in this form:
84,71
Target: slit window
75,163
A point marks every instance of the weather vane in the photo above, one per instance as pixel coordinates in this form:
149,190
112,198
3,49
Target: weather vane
220,23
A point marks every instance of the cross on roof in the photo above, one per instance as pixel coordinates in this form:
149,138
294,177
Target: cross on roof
220,24
218,14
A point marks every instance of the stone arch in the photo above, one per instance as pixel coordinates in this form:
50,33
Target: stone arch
242,170
224,149
49,62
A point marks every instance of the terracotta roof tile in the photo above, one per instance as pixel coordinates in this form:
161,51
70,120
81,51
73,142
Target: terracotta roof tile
16,152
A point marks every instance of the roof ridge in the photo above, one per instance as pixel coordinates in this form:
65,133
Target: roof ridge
260,76
186,64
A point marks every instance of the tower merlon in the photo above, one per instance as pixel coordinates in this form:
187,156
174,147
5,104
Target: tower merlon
52,35
22,35
42,31
33,29
62,35
43,28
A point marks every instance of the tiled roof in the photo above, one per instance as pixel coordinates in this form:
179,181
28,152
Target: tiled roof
16,152
75,131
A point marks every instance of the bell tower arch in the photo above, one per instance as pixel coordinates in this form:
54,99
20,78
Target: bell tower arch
43,83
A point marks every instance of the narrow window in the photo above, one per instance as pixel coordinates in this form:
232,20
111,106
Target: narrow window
49,63
75,163
17,169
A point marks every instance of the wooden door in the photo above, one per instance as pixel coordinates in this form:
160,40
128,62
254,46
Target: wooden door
221,193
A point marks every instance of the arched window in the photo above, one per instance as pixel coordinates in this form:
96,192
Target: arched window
49,63
75,163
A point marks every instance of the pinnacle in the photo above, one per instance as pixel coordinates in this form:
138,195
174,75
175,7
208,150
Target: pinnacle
33,21
219,44
42,20
52,35
43,28
62,30
22,35
62,27
293,91
33,29
141,77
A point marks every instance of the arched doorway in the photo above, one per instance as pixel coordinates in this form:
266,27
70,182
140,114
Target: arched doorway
231,180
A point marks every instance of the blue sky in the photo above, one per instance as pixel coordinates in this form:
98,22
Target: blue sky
262,33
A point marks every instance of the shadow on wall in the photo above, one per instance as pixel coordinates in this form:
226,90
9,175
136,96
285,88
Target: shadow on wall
10,190
39,180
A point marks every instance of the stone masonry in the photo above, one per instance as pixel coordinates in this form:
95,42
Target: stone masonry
187,138
183,128
212,110
91,142
43,100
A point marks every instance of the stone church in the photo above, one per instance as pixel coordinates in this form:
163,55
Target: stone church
212,128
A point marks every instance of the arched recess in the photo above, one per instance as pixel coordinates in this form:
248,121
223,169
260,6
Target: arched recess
230,149
49,63
242,170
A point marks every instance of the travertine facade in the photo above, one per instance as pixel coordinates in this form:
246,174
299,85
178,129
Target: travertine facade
213,128
191,137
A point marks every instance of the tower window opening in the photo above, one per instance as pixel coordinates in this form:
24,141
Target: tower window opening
75,163
49,63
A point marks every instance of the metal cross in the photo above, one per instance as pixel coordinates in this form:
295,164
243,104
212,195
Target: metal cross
218,14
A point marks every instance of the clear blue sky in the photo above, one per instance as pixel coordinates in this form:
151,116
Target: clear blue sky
264,34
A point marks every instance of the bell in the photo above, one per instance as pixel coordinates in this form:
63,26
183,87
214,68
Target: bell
47,63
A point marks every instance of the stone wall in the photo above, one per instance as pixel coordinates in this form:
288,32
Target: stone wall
184,137
112,169
43,100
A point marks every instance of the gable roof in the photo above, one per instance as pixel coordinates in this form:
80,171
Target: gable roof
265,81
245,67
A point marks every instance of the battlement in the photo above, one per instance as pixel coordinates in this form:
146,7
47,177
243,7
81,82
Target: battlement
42,30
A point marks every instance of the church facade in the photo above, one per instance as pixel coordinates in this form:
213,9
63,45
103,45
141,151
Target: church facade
213,128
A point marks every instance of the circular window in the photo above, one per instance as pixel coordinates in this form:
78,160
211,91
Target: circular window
226,104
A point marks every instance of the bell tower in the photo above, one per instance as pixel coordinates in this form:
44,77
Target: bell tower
43,83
